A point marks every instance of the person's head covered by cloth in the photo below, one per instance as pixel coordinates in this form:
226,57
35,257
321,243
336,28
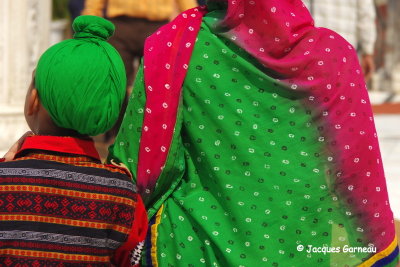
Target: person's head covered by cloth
81,81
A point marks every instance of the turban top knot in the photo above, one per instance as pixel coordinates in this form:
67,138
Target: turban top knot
81,81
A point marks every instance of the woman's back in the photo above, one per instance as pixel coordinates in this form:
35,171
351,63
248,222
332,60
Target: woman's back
256,171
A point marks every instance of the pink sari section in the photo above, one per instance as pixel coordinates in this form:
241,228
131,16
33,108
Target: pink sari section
166,60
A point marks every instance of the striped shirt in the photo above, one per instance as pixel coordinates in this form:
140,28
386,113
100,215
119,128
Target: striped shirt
59,206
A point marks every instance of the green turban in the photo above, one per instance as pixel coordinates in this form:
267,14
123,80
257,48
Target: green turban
81,82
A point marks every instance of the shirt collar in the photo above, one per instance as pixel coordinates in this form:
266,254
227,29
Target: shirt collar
61,144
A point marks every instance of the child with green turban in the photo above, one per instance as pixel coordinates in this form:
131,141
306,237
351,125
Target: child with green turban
59,205
81,81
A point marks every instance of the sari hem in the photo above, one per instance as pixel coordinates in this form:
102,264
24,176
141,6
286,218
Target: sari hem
390,252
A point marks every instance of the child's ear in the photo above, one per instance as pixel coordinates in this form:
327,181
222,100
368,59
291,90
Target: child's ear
33,102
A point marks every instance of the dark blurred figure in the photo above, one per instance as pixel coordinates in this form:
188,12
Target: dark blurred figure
134,21
75,8
381,8
391,78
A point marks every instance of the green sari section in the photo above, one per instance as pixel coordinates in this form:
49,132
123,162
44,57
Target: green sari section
245,180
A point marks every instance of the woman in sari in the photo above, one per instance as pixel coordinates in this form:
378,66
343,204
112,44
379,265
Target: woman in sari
250,136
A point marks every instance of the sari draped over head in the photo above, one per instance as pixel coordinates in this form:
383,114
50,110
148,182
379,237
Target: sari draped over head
250,135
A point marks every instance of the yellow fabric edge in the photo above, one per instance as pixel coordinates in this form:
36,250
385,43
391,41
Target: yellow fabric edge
154,237
384,253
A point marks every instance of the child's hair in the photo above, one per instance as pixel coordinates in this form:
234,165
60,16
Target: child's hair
81,81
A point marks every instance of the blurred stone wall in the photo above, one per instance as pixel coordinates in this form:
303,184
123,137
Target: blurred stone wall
24,35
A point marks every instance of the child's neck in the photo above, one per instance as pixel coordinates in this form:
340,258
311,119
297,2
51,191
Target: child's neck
57,131
48,127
